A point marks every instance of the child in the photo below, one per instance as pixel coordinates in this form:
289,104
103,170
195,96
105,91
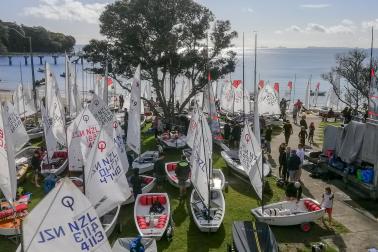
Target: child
327,202
311,133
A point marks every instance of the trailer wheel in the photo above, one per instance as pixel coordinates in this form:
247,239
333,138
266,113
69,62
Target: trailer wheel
306,227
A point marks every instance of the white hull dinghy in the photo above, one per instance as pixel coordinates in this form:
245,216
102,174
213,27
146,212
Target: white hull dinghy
289,213
35,133
200,214
232,160
148,183
109,220
123,244
57,164
146,161
151,225
218,179
172,142
170,170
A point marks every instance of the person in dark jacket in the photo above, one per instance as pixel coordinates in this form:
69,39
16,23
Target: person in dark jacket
288,131
121,101
236,132
293,165
227,131
303,122
268,138
302,136
182,173
285,173
136,182
35,165
281,158
159,172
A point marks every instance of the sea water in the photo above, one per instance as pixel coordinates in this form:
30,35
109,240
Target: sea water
279,65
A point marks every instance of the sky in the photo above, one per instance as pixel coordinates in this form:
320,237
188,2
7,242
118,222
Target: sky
286,23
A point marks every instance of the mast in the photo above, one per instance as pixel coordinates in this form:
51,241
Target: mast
82,80
243,82
22,93
67,83
371,65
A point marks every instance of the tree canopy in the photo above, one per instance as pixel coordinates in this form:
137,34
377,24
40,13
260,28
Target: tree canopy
354,68
42,39
169,39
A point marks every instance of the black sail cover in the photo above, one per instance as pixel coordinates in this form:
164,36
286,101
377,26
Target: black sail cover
244,235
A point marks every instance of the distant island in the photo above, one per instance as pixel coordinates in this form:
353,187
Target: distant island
43,41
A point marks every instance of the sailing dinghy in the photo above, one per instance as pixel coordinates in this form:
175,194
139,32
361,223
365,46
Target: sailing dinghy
269,107
289,213
170,170
124,244
152,224
207,203
23,158
55,160
12,211
66,215
145,161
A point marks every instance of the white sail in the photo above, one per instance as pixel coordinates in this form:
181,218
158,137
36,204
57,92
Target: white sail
100,111
133,129
8,179
268,102
81,135
72,93
19,135
105,173
64,221
54,107
201,160
193,126
23,102
51,144
211,110
250,156
227,97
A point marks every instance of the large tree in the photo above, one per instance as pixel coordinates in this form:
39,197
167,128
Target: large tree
169,39
354,68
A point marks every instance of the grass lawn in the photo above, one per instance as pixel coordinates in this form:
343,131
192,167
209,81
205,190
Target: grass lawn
240,198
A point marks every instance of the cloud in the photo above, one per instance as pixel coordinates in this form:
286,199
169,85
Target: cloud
294,28
369,24
345,27
315,6
71,10
249,10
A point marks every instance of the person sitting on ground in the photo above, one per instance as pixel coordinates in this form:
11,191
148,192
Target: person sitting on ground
302,136
182,173
268,138
157,207
303,122
293,165
35,165
136,182
327,203
288,131
294,191
311,133
281,158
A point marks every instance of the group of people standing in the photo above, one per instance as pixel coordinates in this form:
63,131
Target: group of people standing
290,162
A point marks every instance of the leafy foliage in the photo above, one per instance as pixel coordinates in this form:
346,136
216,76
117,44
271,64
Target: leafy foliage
169,39
354,68
42,39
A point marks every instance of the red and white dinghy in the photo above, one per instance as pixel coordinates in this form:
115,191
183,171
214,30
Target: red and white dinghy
148,183
170,170
151,224
56,164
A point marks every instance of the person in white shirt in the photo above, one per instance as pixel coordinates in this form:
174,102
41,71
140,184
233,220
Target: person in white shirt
300,154
327,203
